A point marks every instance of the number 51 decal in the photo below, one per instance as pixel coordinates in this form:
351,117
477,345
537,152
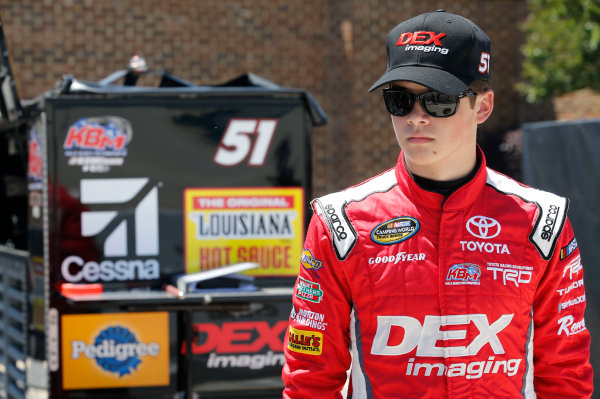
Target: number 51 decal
246,139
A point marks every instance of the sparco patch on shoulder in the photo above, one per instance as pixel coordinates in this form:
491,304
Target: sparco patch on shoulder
395,230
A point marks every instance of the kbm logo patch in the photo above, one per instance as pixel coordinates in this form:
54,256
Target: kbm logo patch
309,290
99,135
395,230
309,261
464,273
308,342
98,143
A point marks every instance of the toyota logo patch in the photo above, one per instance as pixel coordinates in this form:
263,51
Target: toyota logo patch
483,227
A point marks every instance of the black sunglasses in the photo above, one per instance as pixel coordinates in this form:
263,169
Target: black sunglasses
400,102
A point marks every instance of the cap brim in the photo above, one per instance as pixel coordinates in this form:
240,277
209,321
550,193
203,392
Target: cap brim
434,78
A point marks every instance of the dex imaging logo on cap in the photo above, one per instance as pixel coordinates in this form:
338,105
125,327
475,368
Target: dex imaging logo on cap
422,41
112,226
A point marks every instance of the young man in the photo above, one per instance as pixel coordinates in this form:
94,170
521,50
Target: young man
439,278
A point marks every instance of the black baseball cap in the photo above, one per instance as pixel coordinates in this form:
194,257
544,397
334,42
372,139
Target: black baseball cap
443,51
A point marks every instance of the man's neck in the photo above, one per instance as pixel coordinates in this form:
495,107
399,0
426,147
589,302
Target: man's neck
446,182
445,187
453,167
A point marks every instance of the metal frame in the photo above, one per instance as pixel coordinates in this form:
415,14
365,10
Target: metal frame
13,321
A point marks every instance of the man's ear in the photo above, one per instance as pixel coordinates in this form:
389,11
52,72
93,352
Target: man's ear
485,105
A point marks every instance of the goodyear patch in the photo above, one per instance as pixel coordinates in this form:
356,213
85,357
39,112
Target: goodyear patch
309,261
395,230
303,341
309,290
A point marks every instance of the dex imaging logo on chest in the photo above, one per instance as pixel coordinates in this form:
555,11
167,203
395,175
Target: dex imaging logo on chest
121,232
426,337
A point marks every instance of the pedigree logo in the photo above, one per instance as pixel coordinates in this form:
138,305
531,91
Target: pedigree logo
115,350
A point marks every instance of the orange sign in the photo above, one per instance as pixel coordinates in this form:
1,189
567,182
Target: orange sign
115,350
224,226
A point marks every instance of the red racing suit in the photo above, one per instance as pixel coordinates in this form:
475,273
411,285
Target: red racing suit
476,295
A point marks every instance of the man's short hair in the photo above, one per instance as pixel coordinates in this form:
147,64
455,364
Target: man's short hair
478,86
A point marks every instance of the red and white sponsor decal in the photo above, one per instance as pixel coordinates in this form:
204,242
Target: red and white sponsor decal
420,37
237,337
569,326
246,140
243,202
250,344
573,268
425,337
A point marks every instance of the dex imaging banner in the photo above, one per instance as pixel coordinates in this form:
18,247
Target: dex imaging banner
225,226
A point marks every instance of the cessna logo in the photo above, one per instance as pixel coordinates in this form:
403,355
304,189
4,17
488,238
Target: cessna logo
113,225
424,337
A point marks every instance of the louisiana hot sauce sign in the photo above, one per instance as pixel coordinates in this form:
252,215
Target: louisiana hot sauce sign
224,226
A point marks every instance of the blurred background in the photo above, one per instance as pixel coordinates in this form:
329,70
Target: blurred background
334,49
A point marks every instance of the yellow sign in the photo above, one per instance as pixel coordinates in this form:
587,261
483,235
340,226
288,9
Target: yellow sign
115,350
224,226
303,341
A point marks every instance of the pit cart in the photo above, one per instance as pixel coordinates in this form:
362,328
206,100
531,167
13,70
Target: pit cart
153,234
